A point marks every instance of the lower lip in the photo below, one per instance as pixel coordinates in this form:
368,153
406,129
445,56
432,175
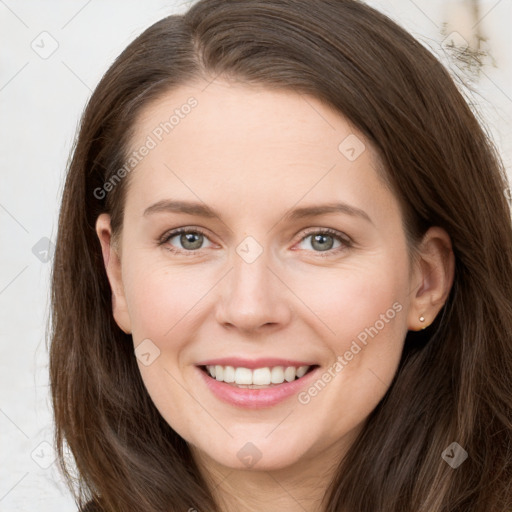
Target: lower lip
256,398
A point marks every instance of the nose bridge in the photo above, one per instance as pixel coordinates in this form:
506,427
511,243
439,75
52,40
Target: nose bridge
251,295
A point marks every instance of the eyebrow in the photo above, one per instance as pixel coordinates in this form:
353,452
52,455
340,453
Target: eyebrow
202,210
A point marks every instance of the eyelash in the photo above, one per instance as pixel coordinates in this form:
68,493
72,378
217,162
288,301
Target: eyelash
343,239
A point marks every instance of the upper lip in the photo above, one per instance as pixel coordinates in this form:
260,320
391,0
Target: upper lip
239,362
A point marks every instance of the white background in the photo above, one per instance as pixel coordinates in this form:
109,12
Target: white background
41,100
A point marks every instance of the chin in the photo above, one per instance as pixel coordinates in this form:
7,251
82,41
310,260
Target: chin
258,455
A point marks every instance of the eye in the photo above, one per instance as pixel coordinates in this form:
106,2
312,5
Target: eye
188,240
325,240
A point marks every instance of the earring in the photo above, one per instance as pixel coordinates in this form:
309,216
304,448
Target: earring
422,318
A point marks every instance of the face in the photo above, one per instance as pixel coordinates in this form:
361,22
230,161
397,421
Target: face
259,243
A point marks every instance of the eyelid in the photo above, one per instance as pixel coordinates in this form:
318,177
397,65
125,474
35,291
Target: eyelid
330,231
344,239
177,231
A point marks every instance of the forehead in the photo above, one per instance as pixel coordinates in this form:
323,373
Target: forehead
249,146
243,112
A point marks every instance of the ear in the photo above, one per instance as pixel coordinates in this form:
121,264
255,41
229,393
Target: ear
432,278
112,260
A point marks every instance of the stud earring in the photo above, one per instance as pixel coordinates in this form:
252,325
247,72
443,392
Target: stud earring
422,318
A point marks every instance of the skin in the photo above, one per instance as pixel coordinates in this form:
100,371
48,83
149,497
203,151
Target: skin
253,154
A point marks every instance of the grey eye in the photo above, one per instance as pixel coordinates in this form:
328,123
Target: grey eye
189,240
320,242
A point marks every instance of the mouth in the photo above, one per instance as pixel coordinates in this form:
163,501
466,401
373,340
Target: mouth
256,383
256,378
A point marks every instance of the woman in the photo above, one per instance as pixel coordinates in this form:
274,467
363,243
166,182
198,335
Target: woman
283,275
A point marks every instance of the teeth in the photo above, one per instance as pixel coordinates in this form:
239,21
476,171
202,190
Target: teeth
277,375
261,377
243,376
257,377
301,371
229,374
289,374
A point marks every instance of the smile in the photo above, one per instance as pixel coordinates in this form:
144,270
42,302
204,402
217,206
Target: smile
256,378
256,384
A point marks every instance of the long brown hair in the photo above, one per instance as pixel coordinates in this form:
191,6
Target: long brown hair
454,383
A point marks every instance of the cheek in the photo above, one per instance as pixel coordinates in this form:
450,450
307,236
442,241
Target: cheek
366,310
161,299
363,311
346,301
164,305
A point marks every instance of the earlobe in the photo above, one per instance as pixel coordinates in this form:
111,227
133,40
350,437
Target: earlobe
433,276
112,263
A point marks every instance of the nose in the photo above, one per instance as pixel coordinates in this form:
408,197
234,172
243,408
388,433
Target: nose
253,297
